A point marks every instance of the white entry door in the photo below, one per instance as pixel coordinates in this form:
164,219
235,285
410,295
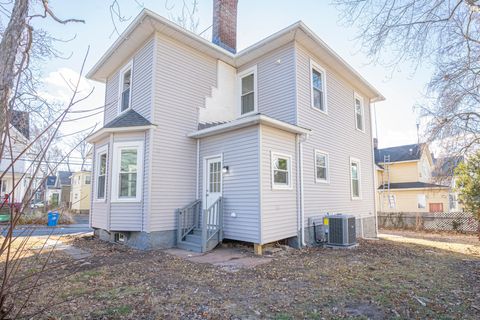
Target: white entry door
213,180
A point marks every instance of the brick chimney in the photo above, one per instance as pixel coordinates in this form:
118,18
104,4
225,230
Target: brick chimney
224,29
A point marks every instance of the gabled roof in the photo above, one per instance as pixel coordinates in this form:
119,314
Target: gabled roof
409,152
64,178
51,181
129,118
445,167
148,22
412,185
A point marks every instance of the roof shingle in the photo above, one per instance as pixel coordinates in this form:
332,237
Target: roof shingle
128,119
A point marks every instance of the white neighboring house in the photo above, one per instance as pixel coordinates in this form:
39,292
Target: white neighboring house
20,134
259,140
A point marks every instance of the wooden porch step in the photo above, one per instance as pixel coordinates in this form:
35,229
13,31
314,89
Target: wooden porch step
190,246
195,238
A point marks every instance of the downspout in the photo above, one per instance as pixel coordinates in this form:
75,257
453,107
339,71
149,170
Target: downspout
301,140
198,170
374,172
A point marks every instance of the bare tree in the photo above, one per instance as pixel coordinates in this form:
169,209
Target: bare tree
82,148
444,34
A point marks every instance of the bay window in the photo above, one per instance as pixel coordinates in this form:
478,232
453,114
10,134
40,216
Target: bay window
127,171
101,173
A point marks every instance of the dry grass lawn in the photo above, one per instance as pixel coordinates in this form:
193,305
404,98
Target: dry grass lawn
378,280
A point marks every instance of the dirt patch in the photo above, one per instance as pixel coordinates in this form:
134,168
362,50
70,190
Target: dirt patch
379,279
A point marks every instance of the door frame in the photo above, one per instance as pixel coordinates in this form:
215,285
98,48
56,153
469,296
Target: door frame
204,178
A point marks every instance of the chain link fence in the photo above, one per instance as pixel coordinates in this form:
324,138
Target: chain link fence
438,221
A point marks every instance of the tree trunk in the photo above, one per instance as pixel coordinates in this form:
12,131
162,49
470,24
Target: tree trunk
9,48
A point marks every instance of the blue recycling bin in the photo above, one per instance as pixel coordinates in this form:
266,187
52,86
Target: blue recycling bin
53,218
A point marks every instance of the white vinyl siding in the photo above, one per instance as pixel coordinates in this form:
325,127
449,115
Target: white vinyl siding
321,167
141,85
247,83
359,112
239,150
278,206
334,136
177,98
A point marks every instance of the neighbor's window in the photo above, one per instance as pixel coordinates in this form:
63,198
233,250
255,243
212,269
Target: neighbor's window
248,94
88,179
125,86
421,201
355,177
321,166
452,201
392,201
318,87
359,113
281,175
127,178
101,174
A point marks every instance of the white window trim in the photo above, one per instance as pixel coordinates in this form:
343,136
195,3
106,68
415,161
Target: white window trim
317,67
355,160
394,197
125,68
274,154
117,147
240,76
362,105
327,162
418,201
98,153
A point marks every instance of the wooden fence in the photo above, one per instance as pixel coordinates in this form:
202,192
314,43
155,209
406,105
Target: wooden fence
438,221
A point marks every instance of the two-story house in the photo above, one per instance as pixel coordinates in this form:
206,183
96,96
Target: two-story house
13,184
80,194
256,141
406,182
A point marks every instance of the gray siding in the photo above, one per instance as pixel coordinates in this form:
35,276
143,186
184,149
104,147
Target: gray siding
128,216
99,212
142,77
279,207
335,134
183,78
276,83
241,185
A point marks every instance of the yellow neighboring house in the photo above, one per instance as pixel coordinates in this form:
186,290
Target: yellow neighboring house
81,190
407,181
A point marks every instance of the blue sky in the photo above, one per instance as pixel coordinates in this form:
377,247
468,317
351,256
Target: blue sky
256,20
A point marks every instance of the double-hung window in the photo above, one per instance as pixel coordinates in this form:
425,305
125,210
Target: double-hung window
355,178
359,112
127,171
421,201
248,91
321,166
101,172
281,171
392,201
319,88
125,87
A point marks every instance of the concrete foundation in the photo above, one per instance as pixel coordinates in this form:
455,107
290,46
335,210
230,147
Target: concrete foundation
140,240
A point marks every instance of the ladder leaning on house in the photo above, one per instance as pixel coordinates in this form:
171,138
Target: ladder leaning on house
200,230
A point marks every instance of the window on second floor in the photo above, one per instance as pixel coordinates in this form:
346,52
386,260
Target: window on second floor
359,113
248,91
319,89
125,87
